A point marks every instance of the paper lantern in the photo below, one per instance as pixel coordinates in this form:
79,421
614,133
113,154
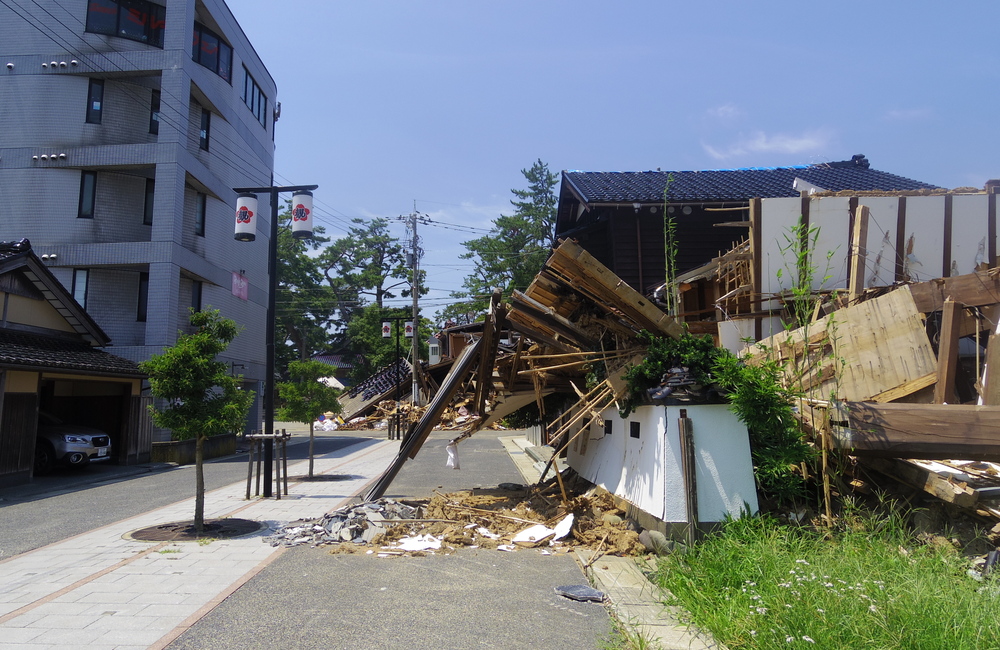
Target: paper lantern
246,217
302,214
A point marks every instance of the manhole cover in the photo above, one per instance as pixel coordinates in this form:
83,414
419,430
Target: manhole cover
319,478
183,531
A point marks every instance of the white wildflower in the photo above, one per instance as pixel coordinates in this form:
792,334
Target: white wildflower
809,639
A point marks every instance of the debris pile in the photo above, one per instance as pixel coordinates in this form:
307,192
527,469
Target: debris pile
502,519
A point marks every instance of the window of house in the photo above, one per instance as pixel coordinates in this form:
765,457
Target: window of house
80,286
95,101
147,208
136,20
88,192
255,100
209,50
206,125
196,295
143,301
154,112
200,203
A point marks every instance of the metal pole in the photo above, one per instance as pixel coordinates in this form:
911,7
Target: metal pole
415,290
272,274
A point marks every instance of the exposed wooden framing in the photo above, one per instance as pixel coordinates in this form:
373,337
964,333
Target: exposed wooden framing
991,228
991,392
947,234
929,431
900,267
756,251
515,362
585,274
924,479
972,290
859,254
488,354
944,389
548,317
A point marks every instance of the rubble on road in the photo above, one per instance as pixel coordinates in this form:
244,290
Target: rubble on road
498,518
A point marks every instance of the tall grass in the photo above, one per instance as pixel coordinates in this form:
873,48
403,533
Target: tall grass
867,584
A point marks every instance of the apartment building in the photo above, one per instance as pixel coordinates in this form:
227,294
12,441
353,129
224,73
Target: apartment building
125,126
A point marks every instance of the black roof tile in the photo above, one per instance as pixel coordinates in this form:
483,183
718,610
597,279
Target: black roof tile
43,352
734,184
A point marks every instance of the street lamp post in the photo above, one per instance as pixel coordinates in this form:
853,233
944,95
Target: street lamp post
246,225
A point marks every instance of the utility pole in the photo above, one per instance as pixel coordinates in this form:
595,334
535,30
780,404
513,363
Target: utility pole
415,290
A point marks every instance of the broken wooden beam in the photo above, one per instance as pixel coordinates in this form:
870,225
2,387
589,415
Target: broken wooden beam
923,478
930,431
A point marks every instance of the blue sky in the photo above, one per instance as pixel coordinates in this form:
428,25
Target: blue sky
387,103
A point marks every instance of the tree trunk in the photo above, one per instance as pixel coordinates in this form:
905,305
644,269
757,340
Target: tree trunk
311,450
199,496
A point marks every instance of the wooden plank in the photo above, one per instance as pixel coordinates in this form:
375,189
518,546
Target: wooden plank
944,389
991,392
859,253
931,431
907,388
924,479
589,274
972,290
900,266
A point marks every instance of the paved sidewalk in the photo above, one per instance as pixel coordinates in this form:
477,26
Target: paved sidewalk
104,591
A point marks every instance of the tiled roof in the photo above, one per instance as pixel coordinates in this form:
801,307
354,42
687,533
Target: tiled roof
45,352
734,184
335,360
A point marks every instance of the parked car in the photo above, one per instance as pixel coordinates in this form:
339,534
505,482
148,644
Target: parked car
59,443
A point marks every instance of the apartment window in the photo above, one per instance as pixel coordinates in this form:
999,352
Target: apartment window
196,295
143,301
80,286
200,203
154,112
147,208
95,101
88,191
209,50
136,20
255,100
206,126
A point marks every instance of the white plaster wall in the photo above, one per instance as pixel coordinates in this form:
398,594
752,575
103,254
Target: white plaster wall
647,471
880,245
831,217
733,332
969,230
925,224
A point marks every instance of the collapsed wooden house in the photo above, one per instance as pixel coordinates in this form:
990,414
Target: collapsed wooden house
892,362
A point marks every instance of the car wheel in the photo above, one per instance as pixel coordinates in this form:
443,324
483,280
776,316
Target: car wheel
45,457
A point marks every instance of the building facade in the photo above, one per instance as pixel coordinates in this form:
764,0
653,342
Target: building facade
126,124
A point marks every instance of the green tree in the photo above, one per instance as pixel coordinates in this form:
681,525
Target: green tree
202,399
373,351
305,397
306,304
516,248
368,262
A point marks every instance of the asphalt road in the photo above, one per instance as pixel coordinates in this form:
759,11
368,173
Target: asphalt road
473,598
69,502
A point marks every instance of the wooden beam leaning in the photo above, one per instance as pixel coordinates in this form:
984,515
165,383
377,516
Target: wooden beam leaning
859,238
972,290
944,390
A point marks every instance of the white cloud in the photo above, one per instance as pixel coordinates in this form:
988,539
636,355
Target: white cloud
725,112
907,114
760,142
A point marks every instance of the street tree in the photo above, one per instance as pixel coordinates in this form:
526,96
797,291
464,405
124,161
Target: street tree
201,399
513,253
306,397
